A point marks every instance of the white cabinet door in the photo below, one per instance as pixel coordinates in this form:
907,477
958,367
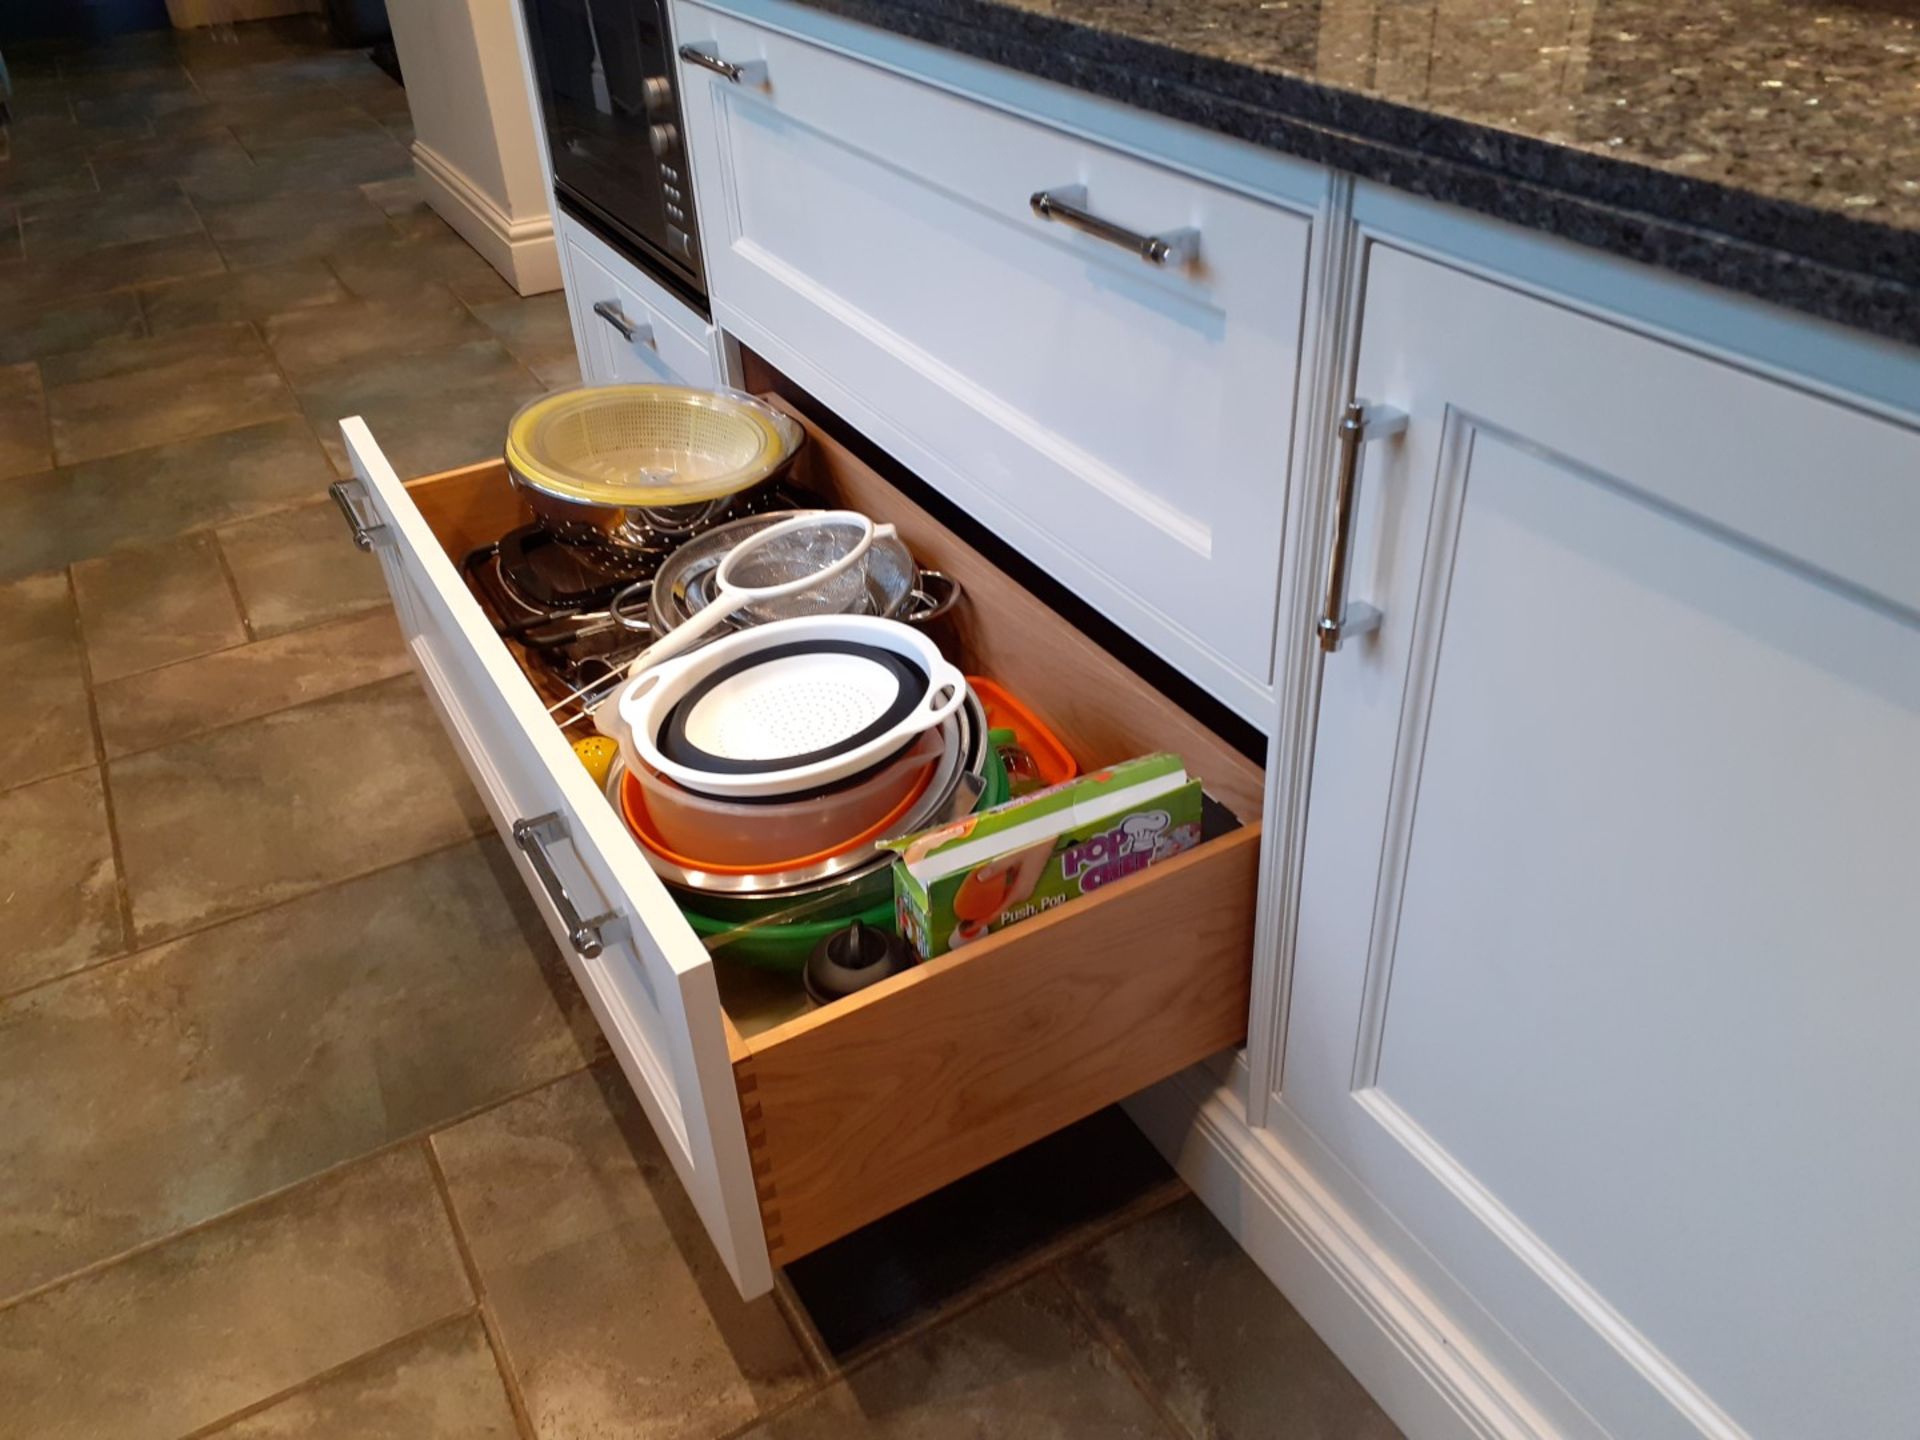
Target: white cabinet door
1125,424
1608,952
644,973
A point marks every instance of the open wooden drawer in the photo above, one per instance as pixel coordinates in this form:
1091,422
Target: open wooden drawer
792,1136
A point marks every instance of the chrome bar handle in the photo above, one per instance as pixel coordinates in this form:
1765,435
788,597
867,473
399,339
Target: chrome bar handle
364,534
531,836
1341,619
1067,204
635,332
707,56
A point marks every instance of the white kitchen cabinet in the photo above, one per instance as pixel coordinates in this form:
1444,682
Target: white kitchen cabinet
1604,975
626,325
1126,424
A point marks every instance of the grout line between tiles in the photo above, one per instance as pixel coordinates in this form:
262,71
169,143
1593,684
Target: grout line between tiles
233,591
123,894
386,1347
254,1202
1123,1356
218,727
137,949
489,1323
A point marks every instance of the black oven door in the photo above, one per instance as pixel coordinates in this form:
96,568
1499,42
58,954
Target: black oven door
607,89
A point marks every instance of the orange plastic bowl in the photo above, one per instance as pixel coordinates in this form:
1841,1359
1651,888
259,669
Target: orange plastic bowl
633,808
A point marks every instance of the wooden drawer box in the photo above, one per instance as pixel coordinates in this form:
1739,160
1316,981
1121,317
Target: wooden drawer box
791,1133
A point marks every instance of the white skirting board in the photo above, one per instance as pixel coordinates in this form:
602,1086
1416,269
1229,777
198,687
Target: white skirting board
523,251
1422,1368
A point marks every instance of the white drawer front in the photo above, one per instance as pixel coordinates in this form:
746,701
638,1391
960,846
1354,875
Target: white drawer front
675,348
1126,424
651,984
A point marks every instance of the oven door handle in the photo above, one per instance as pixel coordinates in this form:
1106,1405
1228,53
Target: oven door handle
632,331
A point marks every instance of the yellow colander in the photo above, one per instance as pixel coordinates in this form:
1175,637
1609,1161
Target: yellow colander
632,445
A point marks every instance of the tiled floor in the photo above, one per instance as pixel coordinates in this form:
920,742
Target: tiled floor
304,1129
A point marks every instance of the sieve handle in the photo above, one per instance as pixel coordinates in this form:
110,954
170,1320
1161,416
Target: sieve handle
684,635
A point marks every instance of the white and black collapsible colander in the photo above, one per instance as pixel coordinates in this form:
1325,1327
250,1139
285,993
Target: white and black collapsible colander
787,707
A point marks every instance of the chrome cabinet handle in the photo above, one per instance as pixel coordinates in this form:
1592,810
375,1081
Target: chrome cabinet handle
1067,204
531,836
707,57
1340,619
364,534
610,311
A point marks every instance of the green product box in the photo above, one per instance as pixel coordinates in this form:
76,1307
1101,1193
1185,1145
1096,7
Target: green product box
956,883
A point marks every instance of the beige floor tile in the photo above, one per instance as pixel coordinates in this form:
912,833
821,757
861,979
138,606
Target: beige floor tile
114,267
127,394
161,706
309,343
44,728
241,295
133,164
52,176
396,196
1021,1364
614,1310
258,229
24,443
145,496
428,249
164,1089
1230,1357
537,330
299,127
68,323
155,605
74,227
440,1386
431,411
276,807
60,896
291,172
299,567
203,1325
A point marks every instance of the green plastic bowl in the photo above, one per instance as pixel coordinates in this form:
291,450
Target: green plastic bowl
783,946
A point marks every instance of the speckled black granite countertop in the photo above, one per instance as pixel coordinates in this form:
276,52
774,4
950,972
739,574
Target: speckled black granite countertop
1769,146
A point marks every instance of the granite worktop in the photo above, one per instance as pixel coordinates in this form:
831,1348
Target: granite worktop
1769,146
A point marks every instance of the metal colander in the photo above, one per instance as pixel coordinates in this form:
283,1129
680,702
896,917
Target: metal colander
647,445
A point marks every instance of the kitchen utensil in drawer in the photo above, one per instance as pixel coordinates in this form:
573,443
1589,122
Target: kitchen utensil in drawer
806,564
1035,758
778,944
850,959
785,707
957,781
627,461
684,583
777,834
